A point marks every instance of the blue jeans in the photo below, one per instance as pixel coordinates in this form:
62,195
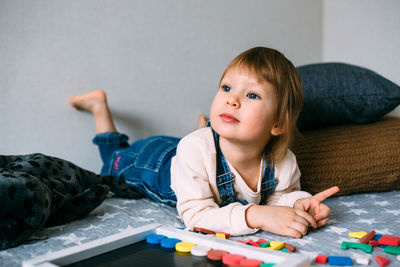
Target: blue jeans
144,166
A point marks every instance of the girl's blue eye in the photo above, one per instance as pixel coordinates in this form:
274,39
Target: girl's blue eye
253,96
226,88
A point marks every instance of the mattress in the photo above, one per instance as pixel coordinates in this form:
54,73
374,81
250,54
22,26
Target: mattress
353,213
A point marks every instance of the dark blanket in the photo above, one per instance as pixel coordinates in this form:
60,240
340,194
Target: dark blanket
38,190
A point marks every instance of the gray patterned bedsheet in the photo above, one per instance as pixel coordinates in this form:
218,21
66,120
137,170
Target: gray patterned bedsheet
359,212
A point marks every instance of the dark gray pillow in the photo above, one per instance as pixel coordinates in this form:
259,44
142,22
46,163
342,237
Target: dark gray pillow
338,93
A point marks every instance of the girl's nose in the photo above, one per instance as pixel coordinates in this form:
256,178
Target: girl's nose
233,101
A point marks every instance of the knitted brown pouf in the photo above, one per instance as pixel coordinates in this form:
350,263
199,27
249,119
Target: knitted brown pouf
357,158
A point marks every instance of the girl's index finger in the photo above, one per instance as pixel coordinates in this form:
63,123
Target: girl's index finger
321,196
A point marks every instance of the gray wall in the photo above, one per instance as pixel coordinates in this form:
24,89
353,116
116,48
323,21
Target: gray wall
365,33
159,61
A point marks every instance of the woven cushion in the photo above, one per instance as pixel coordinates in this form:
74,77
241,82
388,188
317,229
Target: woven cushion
338,93
357,158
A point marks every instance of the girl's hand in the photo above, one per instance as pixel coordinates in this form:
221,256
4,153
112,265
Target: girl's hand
280,220
313,205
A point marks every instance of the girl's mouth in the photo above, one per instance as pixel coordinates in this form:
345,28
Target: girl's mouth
228,118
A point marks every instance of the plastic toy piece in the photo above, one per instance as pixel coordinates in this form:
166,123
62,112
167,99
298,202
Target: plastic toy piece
200,251
377,237
264,245
290,247
154,239
216,254
267,264
357,234
251,242
169,243
250,263
342,261
365,239
389,240
363,260
220,235
203,230
392,250
184,246
321,259
382,261
232,259
346,245
261,240
276,245
374,243
223,233
243,241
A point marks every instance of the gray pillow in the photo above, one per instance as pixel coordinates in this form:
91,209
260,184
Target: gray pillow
338,93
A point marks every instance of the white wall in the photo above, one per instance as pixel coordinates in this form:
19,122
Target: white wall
365,33
159,60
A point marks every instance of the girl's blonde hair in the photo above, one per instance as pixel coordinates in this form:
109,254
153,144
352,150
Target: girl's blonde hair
272,66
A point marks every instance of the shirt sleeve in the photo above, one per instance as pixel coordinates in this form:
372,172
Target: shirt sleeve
288,189
196,201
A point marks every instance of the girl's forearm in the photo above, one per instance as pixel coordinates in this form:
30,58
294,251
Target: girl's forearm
252,216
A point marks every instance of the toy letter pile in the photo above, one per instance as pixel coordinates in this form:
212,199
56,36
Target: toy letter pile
367,242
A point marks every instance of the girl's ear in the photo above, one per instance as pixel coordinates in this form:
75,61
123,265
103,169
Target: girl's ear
276,130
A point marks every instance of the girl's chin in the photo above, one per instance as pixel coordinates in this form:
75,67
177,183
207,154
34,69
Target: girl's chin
227,133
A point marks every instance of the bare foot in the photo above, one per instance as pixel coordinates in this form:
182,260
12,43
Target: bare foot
202,121
92,101
96,103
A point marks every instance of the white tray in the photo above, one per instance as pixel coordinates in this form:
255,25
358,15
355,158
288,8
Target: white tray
130,236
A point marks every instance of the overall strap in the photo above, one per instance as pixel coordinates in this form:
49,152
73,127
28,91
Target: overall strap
225,178
268,182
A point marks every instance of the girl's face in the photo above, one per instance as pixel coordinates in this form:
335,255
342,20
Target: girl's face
243,109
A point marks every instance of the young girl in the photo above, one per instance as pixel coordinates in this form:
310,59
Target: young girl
236,175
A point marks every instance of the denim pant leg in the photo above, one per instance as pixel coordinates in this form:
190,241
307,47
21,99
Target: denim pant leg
108,143
145,167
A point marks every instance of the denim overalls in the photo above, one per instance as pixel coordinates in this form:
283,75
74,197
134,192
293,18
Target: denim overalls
145,166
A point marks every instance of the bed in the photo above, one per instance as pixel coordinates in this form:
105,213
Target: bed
353,213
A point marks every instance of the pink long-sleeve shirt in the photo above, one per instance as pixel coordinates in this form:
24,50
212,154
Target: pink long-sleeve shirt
193,179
